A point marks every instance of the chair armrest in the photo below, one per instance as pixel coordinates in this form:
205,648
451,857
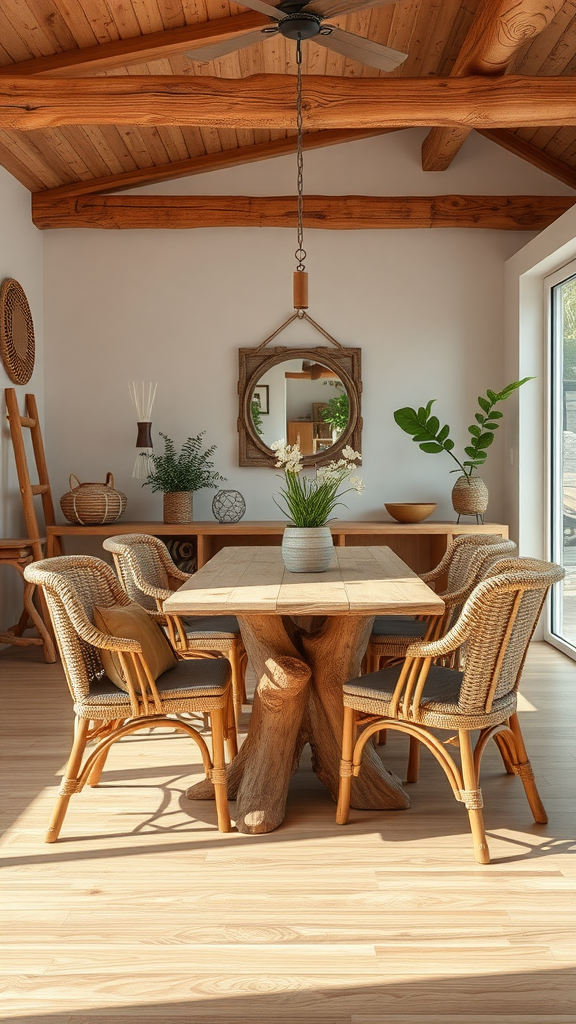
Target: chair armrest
103,641
170,566
461,629
440,569
158,593
457,596
157,615
437,648
177,575
434,574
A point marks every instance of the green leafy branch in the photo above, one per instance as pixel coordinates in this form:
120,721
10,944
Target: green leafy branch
256,413
337,412
426,431
189,470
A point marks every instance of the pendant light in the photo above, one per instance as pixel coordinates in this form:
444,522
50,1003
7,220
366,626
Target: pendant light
300,276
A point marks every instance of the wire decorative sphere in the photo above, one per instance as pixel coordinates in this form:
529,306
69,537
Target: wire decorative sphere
228,506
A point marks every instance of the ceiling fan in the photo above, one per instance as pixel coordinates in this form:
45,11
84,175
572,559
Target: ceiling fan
298,20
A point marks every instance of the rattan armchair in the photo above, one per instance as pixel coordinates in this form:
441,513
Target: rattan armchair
148,575
462,566
73,587
418,696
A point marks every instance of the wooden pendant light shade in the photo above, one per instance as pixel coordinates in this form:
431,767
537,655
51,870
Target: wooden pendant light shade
300,289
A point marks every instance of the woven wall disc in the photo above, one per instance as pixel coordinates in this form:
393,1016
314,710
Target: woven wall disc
17,346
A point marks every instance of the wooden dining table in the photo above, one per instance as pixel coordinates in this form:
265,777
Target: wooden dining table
305,634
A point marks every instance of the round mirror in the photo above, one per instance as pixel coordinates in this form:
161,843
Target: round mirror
300,400
309,396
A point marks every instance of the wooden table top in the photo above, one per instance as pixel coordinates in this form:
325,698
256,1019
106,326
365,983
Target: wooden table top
253,580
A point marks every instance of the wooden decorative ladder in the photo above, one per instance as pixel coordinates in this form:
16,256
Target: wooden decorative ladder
20,552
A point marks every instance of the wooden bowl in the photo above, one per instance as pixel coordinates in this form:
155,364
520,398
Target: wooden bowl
409,511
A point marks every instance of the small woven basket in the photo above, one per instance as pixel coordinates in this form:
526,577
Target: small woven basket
178,506
93,504
470,496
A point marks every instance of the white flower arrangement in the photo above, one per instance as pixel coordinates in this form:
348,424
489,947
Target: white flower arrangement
310,501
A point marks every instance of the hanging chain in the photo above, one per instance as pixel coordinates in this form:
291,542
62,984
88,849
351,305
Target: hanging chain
300,253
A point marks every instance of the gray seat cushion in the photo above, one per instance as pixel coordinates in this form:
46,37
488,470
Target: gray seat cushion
219,625
439,704
193,678
399,625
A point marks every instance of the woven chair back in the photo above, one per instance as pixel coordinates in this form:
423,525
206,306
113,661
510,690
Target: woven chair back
74,585
473,566
144,555
463,552
502,613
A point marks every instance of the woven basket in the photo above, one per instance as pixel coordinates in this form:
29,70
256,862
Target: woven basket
93,504
178,507
470,496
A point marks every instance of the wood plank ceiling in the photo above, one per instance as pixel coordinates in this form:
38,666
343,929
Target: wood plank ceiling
101,38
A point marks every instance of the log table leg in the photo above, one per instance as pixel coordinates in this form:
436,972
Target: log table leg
299,700
334,653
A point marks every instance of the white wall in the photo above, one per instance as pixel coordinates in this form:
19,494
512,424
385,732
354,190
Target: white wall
426,307
20,258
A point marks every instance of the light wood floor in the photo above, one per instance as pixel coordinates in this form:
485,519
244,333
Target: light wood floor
144,912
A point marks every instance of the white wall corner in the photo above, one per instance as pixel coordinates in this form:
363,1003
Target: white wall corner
21,257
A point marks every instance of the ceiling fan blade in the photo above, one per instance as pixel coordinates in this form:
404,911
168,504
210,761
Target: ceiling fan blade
268,9
205,53
361,49
332,8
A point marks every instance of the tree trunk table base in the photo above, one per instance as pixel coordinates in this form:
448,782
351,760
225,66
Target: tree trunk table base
298,700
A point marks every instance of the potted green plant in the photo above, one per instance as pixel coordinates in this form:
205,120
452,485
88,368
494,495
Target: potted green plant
337,413
469,494
179,474
309,503
256,413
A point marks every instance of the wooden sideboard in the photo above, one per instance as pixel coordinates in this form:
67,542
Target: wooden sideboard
420,545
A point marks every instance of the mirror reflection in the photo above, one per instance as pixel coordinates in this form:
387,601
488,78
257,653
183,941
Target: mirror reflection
303,400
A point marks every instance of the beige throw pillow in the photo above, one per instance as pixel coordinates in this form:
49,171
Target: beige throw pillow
132,622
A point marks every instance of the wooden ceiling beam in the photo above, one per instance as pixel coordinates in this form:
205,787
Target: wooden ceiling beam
516,213
538,157
267,101
499,30
211,162
121,53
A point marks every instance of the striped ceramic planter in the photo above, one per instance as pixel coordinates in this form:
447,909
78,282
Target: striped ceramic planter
307,548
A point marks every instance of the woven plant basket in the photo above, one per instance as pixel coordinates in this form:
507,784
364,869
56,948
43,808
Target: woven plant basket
470,496
93,504
178,507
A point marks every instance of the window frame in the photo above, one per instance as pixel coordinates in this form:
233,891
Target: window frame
554,519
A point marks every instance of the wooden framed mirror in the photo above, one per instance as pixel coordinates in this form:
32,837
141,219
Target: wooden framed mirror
311,394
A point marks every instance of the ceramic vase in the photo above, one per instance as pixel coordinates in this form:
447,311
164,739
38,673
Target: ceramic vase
178,507
307,548
470,497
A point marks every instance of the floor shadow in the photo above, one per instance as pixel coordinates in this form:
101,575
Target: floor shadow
51,717
546,996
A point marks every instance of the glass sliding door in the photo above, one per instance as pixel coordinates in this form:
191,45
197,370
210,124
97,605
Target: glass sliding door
562,519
